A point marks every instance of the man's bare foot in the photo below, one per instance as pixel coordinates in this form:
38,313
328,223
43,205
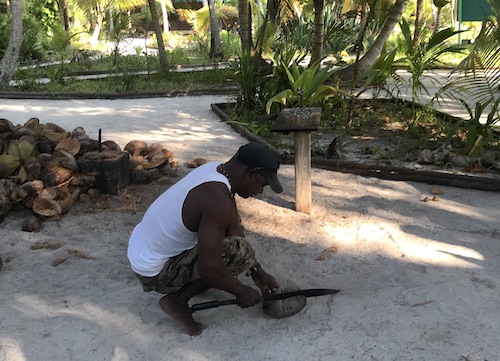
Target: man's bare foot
180,313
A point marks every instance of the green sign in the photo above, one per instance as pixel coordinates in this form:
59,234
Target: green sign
474,10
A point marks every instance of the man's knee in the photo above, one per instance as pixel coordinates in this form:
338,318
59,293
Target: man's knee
238,255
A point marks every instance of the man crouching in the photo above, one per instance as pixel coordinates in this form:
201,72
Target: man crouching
191,238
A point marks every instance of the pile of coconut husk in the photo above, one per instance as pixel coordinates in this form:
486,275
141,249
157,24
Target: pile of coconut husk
39,167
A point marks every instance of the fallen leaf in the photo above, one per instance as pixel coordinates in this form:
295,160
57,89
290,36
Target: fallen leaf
46,245
58,260
436,190
326,253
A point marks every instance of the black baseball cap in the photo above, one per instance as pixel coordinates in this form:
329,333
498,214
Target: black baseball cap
259,157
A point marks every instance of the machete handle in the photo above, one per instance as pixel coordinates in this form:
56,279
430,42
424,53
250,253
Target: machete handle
211,304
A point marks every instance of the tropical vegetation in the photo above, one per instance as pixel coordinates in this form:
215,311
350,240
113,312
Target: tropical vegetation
279,53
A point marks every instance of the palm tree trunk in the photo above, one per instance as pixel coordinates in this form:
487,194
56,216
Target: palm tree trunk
243,15
437,23
318,31
215,42
419,20
63,10
365,62
11,55
159,38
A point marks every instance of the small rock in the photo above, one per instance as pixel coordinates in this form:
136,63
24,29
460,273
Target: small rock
425,157
488,159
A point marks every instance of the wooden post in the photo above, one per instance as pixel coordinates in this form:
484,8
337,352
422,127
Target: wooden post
300,121
303,191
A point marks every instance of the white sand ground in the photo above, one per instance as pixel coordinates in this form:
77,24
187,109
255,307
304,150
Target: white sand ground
420,280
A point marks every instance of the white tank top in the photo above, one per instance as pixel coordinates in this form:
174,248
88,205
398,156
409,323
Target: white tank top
161,234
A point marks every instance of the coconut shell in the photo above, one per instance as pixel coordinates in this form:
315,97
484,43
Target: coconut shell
196,162
49,192
33,123
79,133
168,154
33,168
32,224
284,308
30,189
135,144
54,175
88,145
6,126
53,132
48,208
18,132
111,145
62,158
69,144
45,146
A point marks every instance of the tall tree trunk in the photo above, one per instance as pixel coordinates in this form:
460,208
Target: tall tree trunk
159,38
362,31
365,62
164,12
63,11
437,22
318,31
215,42
11,56
245,26
419,22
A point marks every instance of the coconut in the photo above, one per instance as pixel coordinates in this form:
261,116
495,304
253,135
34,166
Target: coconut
48,208
134,144
196,162
6,126
6,188
53,132
33,123
69,144
111,145
62,158
30,189
79,133
33,168
32,224
53,175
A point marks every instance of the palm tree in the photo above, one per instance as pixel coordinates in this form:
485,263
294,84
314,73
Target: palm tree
367,60
11,56
318,31
419,22
215,42
159,38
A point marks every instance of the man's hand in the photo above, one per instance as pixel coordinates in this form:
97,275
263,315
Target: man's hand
265,282
248,297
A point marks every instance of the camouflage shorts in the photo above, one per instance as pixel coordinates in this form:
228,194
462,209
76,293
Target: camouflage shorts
237,254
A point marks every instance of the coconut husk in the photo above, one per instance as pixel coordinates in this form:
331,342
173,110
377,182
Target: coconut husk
20,175
53,132
135,144
47,244
48,208
66,198
54,175
45,146
88,145
79,133
196,162
69,144
105,154
110,145
6,126
33,123
32,224
19,131
49,192
33,168
168,154
29,139
6,188
154,161
62,158
84,181
30,189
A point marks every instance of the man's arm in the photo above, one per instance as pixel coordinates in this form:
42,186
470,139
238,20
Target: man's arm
218,210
